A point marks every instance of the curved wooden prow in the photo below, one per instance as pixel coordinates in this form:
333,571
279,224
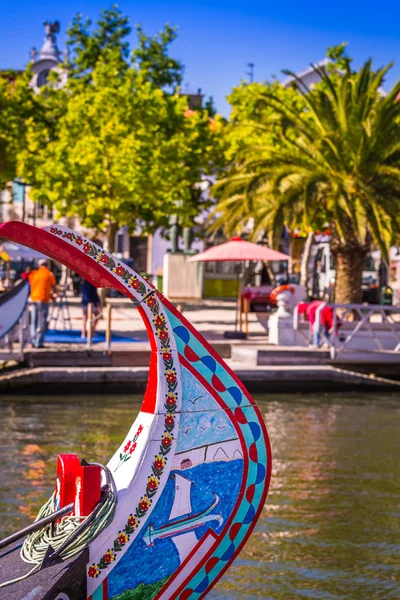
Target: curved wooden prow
192,473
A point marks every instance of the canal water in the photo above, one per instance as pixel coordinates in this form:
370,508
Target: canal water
331,526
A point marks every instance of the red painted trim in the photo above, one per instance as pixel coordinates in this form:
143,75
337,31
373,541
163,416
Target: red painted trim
261,506
73,258
61,251
187,559
242,490
150,395
105,588
192,369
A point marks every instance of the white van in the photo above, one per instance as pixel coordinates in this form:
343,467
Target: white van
322,275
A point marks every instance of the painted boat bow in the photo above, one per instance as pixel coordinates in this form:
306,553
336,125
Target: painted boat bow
197,421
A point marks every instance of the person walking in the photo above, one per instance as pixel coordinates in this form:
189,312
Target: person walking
43,289
89,295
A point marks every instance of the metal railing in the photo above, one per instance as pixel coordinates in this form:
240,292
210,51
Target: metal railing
13,343
358,327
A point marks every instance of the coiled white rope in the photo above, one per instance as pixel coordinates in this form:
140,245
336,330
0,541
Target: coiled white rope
55,535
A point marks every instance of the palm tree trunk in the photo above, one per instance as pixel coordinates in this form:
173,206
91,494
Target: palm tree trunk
305,259
349,268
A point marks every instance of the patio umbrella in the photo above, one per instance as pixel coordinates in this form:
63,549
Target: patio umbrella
238,250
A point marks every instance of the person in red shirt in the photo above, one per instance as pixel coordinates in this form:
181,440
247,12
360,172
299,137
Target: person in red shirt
43,289
320,328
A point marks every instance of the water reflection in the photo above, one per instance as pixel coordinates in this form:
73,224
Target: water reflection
330,528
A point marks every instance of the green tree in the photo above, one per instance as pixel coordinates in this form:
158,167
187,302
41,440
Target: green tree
89,45
17,104
152,57
336,160
116,149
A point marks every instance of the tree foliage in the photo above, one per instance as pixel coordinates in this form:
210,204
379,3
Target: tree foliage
152,57
116,148
17,105
334,157
89,45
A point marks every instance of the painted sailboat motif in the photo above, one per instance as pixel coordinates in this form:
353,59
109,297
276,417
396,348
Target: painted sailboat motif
182,521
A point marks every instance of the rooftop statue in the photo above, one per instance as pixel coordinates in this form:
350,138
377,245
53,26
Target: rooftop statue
49,49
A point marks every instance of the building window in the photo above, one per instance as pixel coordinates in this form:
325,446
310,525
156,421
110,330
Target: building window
42,77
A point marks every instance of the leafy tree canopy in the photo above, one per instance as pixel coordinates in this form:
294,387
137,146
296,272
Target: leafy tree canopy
331,154
17,105
116,148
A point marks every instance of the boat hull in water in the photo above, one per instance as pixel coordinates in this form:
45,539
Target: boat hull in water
192,473
12,307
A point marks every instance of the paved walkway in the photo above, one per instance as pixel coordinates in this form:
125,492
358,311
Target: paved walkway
212,318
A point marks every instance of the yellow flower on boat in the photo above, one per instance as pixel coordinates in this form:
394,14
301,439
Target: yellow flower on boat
122,537
171,398
153,482
167,439
144,503
94,570
109,556
133,521
160,461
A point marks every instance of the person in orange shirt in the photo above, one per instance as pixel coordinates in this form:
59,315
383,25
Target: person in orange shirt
43,289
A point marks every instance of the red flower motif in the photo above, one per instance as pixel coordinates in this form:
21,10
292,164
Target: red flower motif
144,505
159,322
69,236
171,378
93,571
169,420
107,558
132,521
53,230
170,400
126,447
104,259
159,462
151,302
167,356
135,284
152,483
79,241
120,271
132,448
140,429
86,247
167,441
163,335
122,538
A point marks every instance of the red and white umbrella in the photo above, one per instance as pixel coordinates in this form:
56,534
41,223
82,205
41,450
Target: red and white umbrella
238,250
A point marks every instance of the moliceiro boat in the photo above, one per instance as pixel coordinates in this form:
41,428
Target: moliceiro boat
179,498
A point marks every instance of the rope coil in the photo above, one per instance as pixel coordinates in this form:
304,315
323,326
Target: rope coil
56,535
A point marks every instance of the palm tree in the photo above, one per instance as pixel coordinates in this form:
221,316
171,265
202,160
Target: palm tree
335,160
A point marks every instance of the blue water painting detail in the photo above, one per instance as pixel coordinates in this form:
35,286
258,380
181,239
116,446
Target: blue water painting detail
151,563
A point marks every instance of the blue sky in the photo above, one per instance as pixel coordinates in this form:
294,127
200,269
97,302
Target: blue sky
217,39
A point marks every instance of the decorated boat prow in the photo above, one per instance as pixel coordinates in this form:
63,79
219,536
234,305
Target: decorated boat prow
176,503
